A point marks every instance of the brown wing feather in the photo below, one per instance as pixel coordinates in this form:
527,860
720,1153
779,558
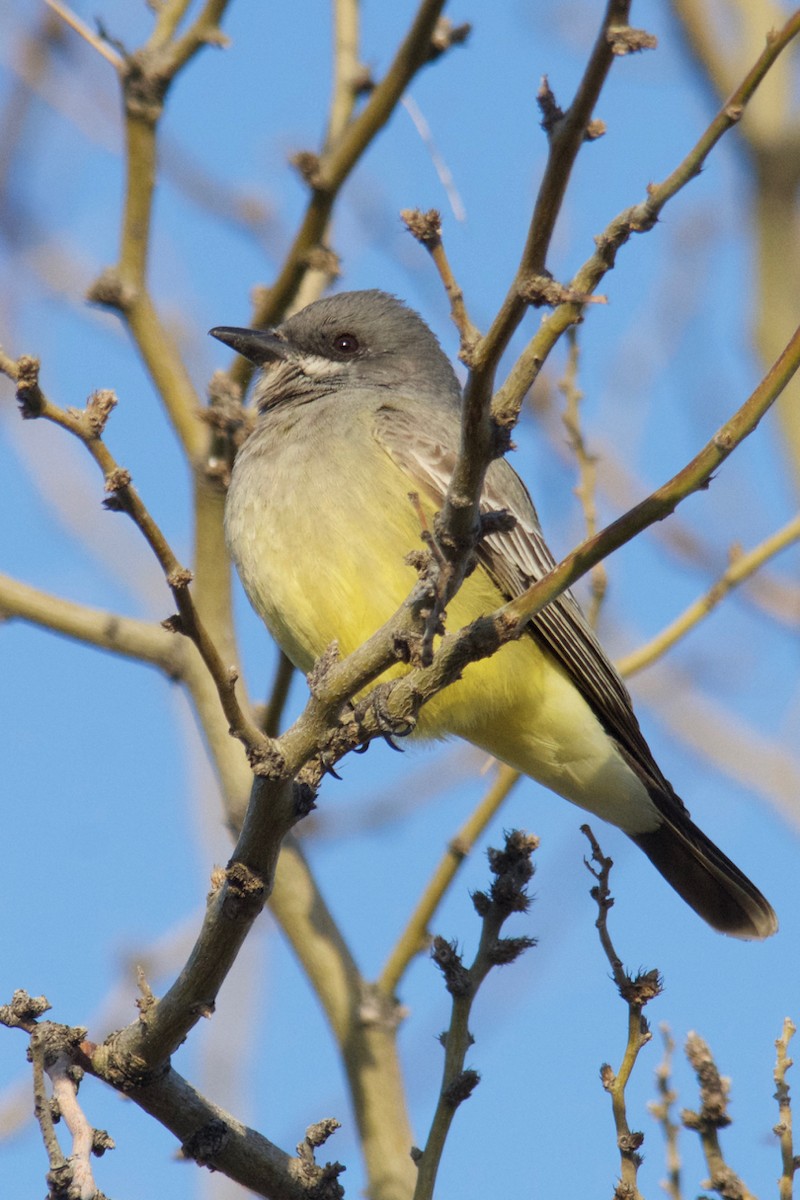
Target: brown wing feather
517,559
696,868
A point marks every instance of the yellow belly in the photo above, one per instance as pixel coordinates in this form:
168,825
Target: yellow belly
320,567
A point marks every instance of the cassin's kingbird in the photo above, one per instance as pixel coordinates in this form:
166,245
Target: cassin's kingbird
358,406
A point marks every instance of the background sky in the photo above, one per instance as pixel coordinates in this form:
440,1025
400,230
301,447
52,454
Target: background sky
111,821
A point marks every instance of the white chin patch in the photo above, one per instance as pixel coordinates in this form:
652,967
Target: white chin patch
315,366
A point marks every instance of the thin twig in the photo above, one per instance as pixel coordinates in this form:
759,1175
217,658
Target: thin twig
565,137
327,173
512,869
41,1105
442,170
86,1140
662,1111
170,13
783,1130
204,31
279,692
713,1116
426,227
587,469
88,425
636,991
415,937
693,477
639,218
742,567
97,43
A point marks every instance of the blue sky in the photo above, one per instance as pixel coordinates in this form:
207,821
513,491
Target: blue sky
112,821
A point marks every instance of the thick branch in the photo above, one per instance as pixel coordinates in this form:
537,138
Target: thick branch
234,904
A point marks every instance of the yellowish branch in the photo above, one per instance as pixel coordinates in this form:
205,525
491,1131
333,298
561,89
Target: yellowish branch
106,630
415,937
742,567
587,469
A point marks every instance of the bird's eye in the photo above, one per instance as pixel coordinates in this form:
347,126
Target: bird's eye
346,343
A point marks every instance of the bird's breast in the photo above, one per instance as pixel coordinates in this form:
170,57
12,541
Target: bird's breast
318,522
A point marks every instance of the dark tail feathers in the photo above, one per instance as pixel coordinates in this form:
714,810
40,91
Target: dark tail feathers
707,880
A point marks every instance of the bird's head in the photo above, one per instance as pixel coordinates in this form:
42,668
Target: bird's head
350,341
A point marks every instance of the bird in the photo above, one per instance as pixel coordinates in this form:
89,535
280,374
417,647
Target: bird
357,408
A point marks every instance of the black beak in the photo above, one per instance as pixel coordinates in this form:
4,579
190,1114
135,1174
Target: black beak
258,345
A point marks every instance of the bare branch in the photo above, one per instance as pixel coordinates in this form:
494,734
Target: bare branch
333,166
783,1130
713,1116
97,43
87,426
742,567
636,991
587,470
512,869
415,936
94,626
662,1111
427,229
637,219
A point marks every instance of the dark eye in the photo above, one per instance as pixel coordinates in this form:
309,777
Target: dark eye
346,343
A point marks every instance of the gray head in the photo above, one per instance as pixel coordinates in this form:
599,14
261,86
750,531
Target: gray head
349,341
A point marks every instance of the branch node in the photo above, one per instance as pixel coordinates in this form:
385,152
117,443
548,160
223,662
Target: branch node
594,130
542,290
456,976
607,1076
304,799
317,1135
245,890
307,165
426,227
446,35
624,39
179,579
117,483
23,1010
265,759
102,1141
98,409
461,1088
325,259
30,398
109,291
207,1142
144,85
317,676
551,111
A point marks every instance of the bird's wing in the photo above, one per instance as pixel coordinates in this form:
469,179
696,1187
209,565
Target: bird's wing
422,446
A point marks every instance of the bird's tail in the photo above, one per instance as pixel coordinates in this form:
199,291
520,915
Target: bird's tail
706,879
